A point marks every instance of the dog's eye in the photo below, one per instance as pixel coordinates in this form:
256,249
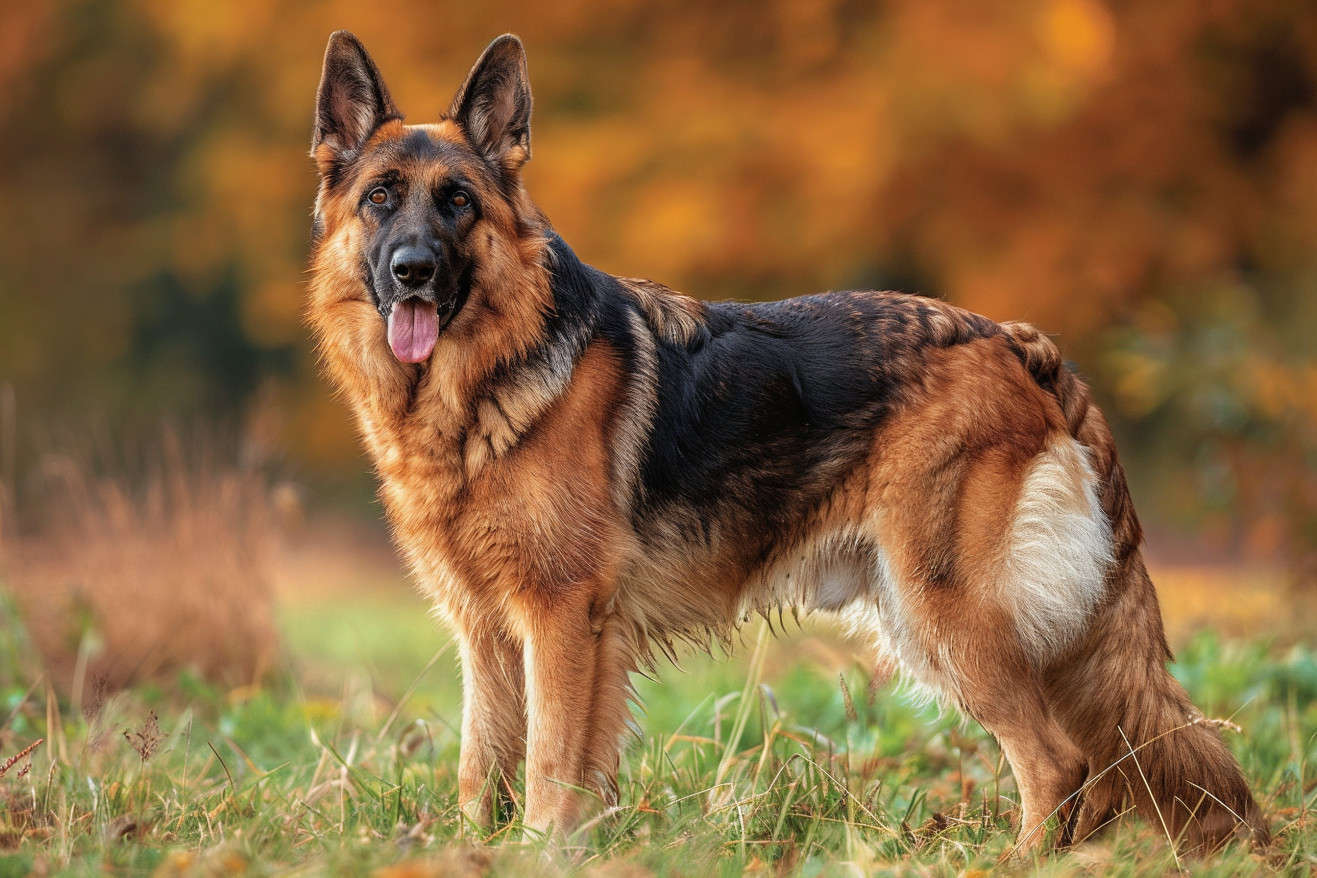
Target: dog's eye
460,199
378,195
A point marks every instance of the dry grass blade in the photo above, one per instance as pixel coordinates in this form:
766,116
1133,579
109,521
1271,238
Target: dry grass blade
148,739
851,715
13,760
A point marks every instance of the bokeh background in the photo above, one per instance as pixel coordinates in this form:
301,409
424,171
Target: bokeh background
1138,178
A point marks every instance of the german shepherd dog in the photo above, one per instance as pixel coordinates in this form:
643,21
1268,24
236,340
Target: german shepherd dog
581,469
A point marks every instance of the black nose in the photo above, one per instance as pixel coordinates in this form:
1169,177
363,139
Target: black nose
413,266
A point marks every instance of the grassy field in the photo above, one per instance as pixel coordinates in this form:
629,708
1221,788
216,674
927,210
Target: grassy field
779,761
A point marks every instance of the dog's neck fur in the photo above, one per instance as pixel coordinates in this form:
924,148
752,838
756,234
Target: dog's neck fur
474,408
520,389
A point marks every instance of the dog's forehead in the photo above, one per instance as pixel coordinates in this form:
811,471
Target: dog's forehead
435,151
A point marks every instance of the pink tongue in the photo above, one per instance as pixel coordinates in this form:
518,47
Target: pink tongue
413,329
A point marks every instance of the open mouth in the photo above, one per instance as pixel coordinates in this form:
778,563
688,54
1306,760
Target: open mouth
415,324
413,329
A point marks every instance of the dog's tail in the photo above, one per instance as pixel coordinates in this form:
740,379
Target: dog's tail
1149,748
1146,744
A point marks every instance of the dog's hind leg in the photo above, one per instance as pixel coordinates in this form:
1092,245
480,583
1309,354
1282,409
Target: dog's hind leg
992,679
961,645
493,723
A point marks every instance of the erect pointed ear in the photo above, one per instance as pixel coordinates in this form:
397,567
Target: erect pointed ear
351,103
493,105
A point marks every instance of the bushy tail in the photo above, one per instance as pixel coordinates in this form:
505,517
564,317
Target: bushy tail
1150,749
1146,744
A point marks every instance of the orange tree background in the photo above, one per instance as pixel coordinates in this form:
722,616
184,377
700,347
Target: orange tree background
1139,178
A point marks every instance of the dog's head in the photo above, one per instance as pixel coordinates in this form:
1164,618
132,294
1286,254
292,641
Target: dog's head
418,212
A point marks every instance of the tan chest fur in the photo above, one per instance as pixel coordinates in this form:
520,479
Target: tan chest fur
494,530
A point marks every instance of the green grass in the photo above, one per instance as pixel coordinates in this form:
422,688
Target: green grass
347,764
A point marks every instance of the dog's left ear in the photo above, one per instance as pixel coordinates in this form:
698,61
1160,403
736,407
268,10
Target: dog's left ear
493,105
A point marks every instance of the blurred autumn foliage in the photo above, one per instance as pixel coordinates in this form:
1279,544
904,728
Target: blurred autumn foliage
1139,178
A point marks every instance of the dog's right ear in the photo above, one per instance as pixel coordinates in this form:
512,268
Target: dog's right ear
351,103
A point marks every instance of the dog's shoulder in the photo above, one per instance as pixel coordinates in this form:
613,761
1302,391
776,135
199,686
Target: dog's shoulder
675,318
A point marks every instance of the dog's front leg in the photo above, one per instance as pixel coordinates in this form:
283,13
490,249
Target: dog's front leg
563,653
493,722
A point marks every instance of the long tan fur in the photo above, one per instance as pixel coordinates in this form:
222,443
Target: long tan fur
586,469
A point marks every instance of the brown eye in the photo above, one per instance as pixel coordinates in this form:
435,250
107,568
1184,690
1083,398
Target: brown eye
460,199
378,195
